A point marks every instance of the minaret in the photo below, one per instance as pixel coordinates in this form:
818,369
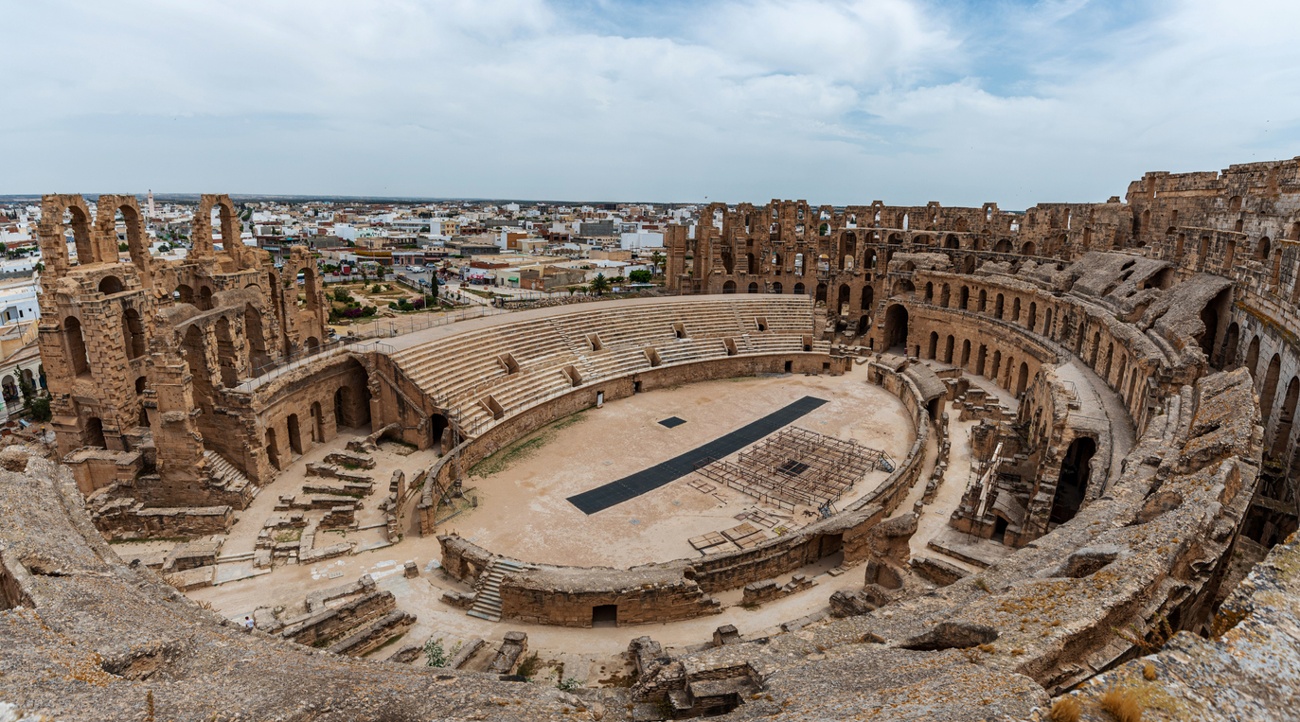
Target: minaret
151,213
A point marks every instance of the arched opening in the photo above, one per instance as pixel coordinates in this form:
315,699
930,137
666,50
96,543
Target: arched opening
869,259
227,359
133,330
196,356
1022,378
1252,357
963,299
848,249
1029,248
9,388
317,423
728,261
312,287
1072,484
965,354
1015,309
980,360
868,297
729,286
751,264
1286,419
753,287
821,294
352,401
205,298
1033,315
1002,246
1270,387
997,366
929,292
272,451
896,327
932,350
1212,316
983,305
997,306
1263,249
76,347
183,294
951,242
845,292
94,435
295,434
777,287
312,344
255,340
109,285
1230,340
799,289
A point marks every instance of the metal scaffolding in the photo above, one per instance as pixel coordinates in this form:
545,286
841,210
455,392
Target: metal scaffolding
795,467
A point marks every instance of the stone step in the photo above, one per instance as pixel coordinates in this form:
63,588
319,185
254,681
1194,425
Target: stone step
481,615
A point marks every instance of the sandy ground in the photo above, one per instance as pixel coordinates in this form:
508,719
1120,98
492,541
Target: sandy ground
524,512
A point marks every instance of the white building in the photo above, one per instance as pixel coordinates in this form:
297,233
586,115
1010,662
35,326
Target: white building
18,302
641,239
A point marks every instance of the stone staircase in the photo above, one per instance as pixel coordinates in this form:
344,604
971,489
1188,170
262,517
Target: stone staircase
224,475
487,602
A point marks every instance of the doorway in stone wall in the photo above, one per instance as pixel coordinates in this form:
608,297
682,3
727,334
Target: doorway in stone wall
604,615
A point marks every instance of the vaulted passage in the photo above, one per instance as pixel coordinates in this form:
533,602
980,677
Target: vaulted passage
1072,485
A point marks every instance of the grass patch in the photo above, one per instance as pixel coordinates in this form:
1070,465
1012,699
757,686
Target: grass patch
288,535
524,448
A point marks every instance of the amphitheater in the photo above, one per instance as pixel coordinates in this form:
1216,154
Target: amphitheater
871,462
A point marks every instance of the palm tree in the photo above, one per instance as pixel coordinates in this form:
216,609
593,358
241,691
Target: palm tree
656,260
599,285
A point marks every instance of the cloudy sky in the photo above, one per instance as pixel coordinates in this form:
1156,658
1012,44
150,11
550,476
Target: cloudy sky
831,101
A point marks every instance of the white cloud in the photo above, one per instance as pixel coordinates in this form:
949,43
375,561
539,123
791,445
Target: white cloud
829,101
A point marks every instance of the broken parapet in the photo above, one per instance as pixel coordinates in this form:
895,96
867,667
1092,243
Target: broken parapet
756,593
375,634
331,471
726,634
350,460
513,648
347,488
326,625
466,651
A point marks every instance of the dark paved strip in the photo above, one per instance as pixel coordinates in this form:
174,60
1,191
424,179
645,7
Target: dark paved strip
672,422
630,487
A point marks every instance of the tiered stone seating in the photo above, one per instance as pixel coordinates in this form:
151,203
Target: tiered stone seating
460,372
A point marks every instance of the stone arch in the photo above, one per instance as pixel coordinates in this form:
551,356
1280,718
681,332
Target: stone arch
109,285
1263,249
1212,315
255,340
94,433
868,297
295,434
948,348
753,287
75,344
820,296
983,305
1252,357
965,354
317,423
729,286
227,357
929,291
896,326
1022,378
1230,341
932,350
1285,420
194,348
1072,483
998,302
1029,248
205,298
272,449
133,332
963,299
1270,387
183,294
777,287
845,295
799,289
945,296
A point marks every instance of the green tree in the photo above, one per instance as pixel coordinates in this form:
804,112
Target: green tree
600,284
657,261
123,248
639,276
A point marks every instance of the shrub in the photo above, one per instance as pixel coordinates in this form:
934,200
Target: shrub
41,409
639,276
342,296
434,654
1122,705
1065,709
